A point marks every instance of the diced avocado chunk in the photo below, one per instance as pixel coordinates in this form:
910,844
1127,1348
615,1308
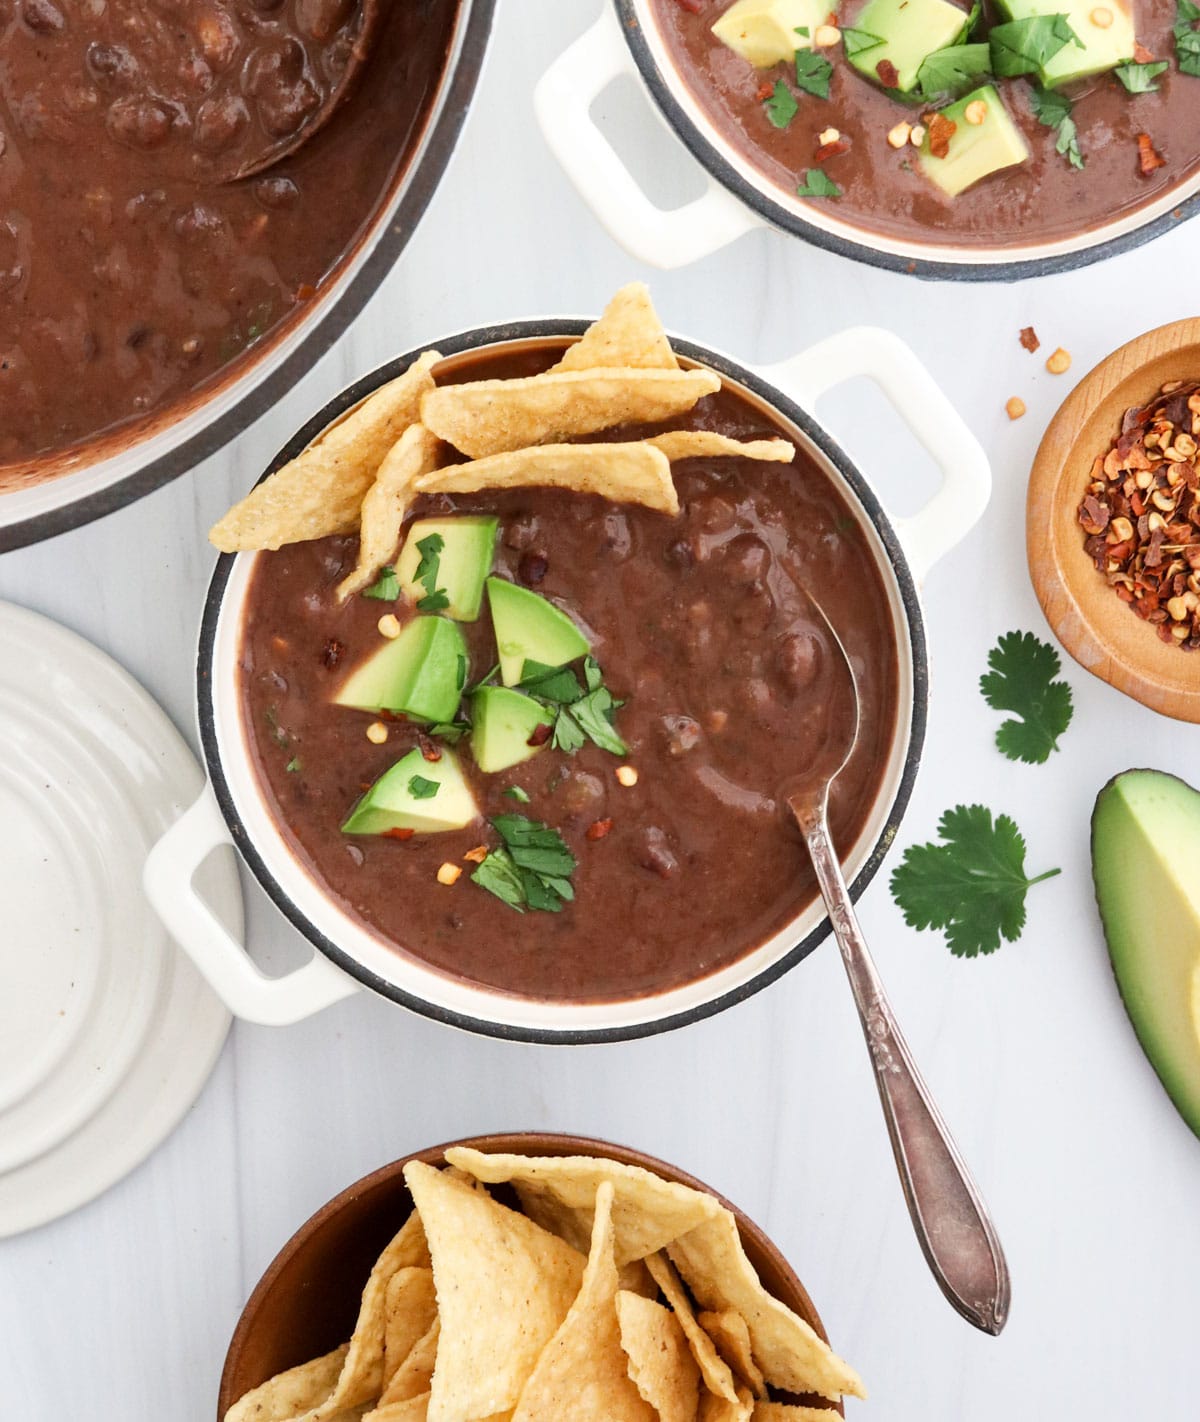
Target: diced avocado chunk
1145,848
766,32
421,673
464,561
1101,46
911,30
402,798
975,149
502,724
530,629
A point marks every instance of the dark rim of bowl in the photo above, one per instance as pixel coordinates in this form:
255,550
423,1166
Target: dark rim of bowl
395,226
861,251
515,1142
777,400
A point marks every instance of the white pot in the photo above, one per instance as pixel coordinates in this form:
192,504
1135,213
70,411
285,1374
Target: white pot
626,41
349,956
113,470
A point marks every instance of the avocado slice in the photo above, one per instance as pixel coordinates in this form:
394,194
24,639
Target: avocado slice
465,560
766,32
1101,47
1146,868
402,800
528,628
421,673
502,723
976,149
911,30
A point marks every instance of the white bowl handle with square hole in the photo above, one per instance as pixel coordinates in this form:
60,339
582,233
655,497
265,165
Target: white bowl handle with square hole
249,993
563,101
966,485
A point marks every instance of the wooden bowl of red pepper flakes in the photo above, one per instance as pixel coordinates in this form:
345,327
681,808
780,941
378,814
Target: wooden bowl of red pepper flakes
1113,521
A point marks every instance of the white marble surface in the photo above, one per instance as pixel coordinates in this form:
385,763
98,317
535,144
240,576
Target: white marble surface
122,1311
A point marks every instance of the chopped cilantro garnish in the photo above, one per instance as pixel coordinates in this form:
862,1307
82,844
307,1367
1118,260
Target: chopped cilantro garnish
421,789
1140,78
952,71
450,731
293,765
1054,110
781,105
514,792
972,20
1187,38
581,714
973,886
484,680
533,868
386,586
816,184
555,684
430,549
812,73
278,734
1027,46
801,30
1023,679
855,41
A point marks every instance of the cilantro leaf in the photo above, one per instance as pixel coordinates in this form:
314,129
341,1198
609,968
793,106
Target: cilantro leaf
430,549
1139,78
293,765
780,105
855,41
813,73
567,735
1022,679
952,71
1027,46
514,792
386,586
1054,110
816,184
558,685
972,887
449,731
532,869
498,875
421,789
433,602
593,714
1187,38
972,21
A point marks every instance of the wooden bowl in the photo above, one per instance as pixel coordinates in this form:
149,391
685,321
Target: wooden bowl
1099,630
307,1301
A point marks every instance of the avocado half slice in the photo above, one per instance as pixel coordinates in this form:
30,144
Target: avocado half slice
1146,868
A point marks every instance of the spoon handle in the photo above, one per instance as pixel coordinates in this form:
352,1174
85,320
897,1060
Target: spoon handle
951,1220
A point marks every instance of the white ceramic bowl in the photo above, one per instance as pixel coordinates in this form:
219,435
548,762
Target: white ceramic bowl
627,41
113,470
349,955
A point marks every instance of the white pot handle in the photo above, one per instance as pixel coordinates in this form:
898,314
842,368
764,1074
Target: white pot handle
248,993
562,102
966,484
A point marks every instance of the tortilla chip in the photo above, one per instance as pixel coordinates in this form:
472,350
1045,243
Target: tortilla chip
485,417
583,1375
706,444
790,1354
622,473
713,1369
635,1278
410,1309
319,492
720,1409
415,1373
789,1412
504,1285
560,1192
412,1409
732,1338
628,335
289,1394
387,502
659,1359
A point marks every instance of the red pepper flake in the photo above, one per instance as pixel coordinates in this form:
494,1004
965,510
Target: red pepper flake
764,92
1141,55
1148,158
940,131
889,76
399,833
1029,339
832,150
541,734
598,829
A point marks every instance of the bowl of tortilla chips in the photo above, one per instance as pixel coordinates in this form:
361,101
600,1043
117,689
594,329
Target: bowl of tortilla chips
534,1277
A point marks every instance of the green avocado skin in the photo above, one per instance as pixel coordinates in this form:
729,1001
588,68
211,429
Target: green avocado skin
1146,873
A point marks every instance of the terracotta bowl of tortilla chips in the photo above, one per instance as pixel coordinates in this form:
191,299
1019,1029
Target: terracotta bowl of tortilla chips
359,1270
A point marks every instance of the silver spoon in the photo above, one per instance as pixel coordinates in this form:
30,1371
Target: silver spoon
957,1236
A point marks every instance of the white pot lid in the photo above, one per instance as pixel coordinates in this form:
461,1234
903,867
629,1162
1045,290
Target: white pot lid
107,1032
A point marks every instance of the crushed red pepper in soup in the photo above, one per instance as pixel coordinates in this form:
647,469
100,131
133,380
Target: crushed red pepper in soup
132,268
701,630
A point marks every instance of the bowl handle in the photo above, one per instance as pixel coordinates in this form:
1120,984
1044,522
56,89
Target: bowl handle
920,402
563,101
167,879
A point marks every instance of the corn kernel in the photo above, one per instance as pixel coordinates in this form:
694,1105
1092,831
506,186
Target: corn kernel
389,625
627,775
449,874
377,733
